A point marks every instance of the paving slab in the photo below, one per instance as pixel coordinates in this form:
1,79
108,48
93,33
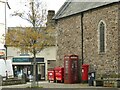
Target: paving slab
59,86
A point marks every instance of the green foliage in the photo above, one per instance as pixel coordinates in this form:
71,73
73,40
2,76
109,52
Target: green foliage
35,38
28,39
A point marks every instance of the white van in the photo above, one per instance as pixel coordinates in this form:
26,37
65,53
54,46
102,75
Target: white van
6,68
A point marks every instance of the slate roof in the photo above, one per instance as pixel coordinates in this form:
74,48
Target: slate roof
71,7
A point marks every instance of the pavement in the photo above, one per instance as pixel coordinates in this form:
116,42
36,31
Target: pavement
46,85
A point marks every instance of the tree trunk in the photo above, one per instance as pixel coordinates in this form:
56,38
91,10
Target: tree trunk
34,70
34,51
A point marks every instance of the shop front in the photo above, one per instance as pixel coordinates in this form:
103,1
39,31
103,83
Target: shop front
23,65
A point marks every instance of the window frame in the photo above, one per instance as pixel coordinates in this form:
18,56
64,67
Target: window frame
99,26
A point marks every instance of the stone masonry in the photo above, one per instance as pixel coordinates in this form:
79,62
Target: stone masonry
103,63
69,38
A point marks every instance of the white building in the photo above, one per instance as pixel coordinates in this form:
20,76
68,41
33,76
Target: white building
2,33
46,59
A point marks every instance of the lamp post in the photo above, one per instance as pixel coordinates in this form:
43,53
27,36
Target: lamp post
6,4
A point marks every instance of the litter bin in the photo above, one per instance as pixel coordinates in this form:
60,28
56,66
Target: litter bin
91,78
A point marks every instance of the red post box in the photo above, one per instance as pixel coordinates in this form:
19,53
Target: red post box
70,69
59,74
85,69
51,75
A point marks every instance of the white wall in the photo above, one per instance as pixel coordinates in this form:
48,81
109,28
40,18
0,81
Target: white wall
48,53
12,52
2,31
2,24
3,67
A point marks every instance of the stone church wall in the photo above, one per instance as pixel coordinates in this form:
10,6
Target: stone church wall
69,39
107,62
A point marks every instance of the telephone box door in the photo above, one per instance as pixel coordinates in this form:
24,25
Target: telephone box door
70,69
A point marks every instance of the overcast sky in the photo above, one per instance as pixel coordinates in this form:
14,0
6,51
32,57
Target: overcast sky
16,4
16,21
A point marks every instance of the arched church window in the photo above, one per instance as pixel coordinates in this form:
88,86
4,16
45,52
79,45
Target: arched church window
102,37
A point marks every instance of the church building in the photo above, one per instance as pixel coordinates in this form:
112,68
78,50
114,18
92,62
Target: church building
90,30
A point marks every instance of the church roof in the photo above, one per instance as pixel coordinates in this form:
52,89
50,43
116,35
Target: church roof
71,7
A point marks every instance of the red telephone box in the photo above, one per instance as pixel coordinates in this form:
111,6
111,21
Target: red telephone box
59,74
85,69
70,69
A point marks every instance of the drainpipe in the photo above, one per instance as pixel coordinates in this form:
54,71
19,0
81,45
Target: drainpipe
82,38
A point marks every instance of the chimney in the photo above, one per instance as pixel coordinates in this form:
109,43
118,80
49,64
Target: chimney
50,15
